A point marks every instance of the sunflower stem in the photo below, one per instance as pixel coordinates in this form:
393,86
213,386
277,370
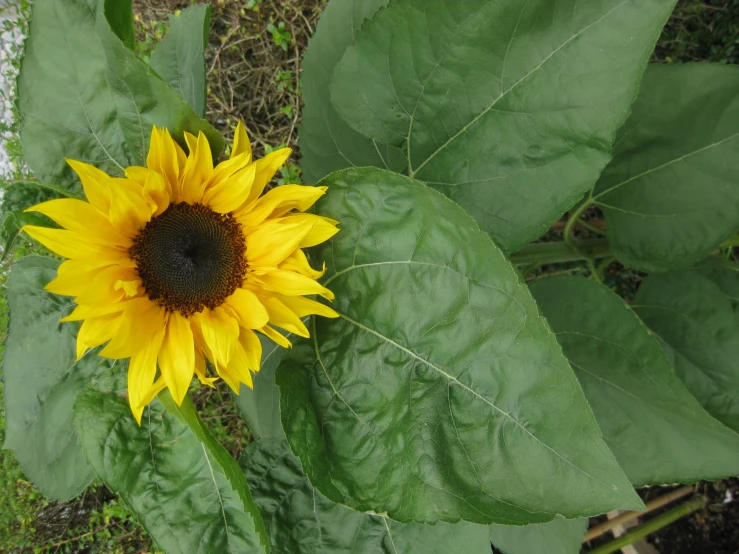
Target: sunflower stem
558,252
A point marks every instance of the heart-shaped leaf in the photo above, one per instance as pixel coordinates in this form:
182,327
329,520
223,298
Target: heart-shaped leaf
658,432
42,381
509,108
180,57
82,94
327,143
695,313
187,491
671,193
439,392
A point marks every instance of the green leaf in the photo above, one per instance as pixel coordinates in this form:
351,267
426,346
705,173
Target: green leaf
260,407
42,380
559,536
301,520
695,313
440,393
671,193
327,143
119,14
187,491
658,432
180,57
509,108
84,95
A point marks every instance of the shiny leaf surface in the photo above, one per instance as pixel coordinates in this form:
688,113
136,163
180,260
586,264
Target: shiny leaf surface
671,193
327,143
300,520
83,94
508,108
559,536
440,393
42,381
658,432
696,314
187,491
180,58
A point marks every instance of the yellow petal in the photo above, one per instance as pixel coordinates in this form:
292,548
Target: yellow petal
291,284
86,312
302,306
142,319
129,211
156,193
96,331
266,169
141,372
158,386
280,201
282,316
198,169
247,308
229,194
83,218
241,142
167,158
137,174
200,368
253,347
323,228
237,370
104,287
95,184
220,332
74,276
177,356
276,336
298,261
73,245
273,241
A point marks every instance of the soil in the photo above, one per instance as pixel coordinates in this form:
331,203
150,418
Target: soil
712,530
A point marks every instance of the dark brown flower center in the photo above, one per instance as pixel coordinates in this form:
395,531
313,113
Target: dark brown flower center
190,258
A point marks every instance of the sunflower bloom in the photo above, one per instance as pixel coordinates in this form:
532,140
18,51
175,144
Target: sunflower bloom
182,261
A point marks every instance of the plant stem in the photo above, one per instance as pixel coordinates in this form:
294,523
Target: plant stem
557,252
651,526
569,232
652,505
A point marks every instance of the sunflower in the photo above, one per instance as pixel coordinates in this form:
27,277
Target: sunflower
182,261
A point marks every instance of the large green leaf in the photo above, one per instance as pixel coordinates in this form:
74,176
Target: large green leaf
260,406
696,315
671,193
83,94
559,536
42,380
180,57
658,432
300,520
327,143
508,108
187,491
440,393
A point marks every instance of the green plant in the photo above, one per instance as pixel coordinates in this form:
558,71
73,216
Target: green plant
450,135
280,35
285,81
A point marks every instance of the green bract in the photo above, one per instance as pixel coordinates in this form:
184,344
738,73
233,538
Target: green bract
452,403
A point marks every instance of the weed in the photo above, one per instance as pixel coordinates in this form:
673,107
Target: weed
280,36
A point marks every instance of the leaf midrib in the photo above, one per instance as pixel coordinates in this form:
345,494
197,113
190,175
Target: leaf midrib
511,88
473,392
